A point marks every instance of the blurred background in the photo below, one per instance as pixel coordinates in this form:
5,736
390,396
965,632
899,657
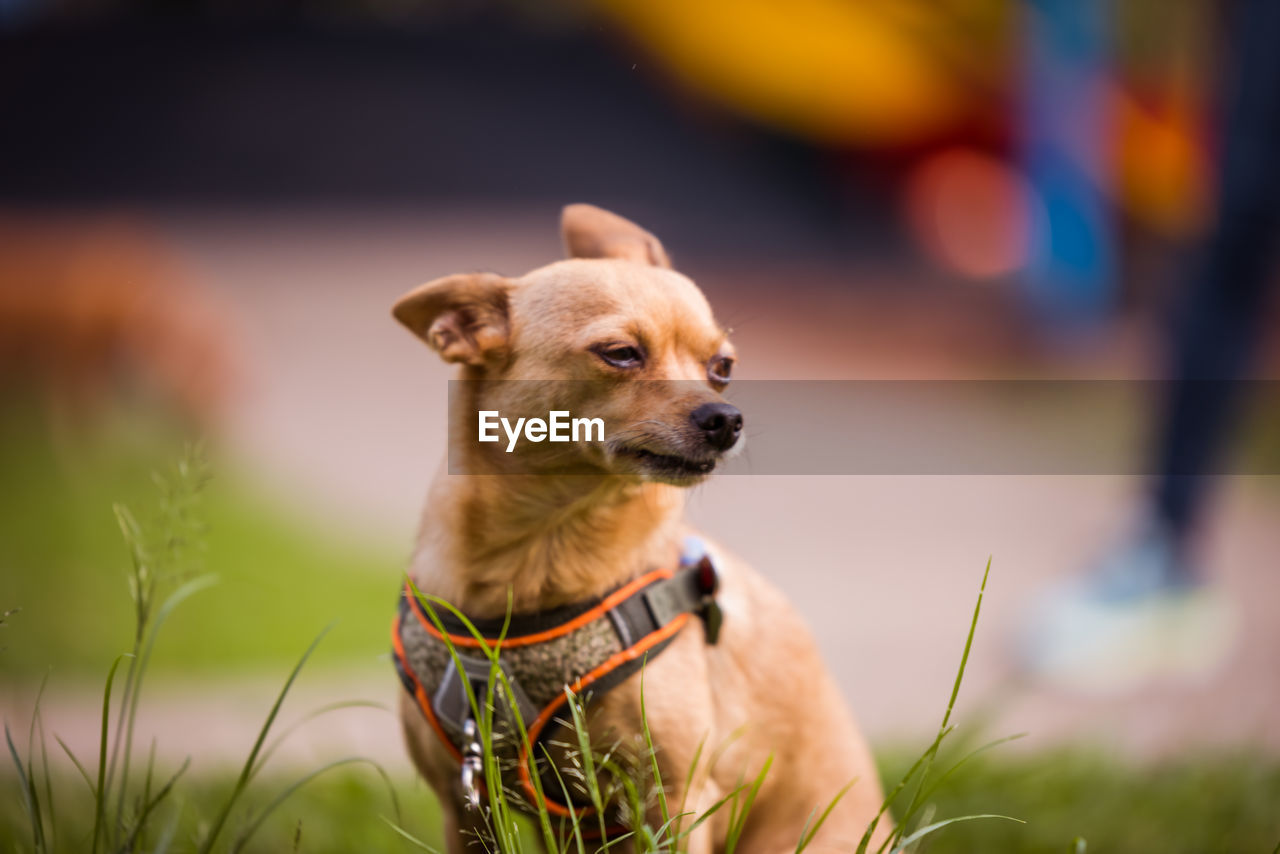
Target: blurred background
207,208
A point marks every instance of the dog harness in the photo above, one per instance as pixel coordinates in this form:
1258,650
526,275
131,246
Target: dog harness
586,648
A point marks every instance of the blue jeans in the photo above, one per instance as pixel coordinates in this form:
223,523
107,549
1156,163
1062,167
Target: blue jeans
1217,329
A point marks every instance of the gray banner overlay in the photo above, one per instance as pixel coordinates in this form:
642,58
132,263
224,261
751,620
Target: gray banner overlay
885,427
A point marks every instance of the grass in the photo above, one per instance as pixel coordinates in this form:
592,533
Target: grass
339,813
131,804
1197,805
62,563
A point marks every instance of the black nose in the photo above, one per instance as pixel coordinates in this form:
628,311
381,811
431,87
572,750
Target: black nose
720,422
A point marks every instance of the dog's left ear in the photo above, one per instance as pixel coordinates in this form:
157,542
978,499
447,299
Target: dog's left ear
463,317
592,232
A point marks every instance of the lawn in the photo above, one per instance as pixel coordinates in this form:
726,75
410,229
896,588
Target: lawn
1195,805
63,561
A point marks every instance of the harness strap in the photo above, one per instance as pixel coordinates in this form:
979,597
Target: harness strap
587,648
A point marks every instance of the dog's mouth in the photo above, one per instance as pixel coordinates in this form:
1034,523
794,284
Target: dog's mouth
668,466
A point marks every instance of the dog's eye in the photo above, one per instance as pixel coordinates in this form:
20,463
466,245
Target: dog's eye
720,369
621,356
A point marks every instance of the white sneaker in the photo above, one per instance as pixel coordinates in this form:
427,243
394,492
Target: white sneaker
1133,621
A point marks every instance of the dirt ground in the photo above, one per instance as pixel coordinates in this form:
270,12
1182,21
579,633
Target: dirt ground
341,411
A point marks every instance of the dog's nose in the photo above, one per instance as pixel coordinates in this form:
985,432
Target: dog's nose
720,422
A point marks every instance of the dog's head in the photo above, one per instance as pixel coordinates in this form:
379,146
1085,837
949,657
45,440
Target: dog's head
612,333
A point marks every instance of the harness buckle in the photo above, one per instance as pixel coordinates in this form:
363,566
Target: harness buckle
452,705
472,772
709,608
693,591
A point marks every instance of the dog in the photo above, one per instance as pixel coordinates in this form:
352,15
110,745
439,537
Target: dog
614,333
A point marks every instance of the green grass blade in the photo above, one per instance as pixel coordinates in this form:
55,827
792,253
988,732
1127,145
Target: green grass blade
618,840
914,804
310,716
151,767
807,835
711,810
671,826
725,744
100,799
964,759
688,783
149,806
88,781
35,717
587,757
409,837
653,752
250,763
174,599
140,559
632,792
968,646
739,822
930,828
167,835
29,800
893,795
247,833
48,787
575,826
37,724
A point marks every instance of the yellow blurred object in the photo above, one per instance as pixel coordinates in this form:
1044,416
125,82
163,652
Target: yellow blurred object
884,73
837,71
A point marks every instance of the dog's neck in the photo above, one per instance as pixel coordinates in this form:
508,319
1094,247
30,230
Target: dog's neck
549,540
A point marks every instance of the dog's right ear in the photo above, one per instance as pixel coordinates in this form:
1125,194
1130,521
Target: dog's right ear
592,232
463,317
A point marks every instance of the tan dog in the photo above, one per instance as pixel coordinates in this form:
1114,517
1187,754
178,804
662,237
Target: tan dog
611,317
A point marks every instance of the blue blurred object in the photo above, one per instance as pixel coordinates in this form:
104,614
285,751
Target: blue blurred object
1071,258
692,550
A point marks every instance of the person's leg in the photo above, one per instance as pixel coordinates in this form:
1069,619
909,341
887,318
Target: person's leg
1140,611
1217,328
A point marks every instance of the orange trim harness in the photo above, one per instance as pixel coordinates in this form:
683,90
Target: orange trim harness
587,648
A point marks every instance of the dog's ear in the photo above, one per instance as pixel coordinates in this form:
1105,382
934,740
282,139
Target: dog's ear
592,232
463,317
